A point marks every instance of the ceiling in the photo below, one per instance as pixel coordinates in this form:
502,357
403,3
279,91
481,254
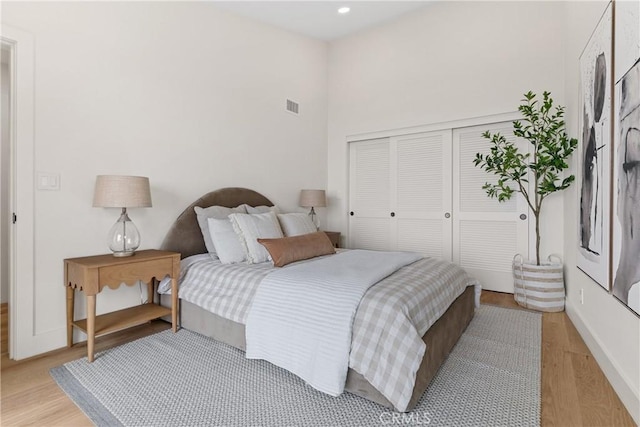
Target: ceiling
320,19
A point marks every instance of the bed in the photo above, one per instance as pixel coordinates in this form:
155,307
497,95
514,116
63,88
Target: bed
185,237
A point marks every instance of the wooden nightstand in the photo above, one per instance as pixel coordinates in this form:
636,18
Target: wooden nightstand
91,274
334,236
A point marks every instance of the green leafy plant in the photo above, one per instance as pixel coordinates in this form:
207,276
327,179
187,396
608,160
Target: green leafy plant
543,126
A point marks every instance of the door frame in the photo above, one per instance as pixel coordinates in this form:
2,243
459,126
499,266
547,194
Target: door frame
22,337
452,124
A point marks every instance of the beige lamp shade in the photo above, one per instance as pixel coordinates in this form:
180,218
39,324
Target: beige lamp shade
313,198
121,191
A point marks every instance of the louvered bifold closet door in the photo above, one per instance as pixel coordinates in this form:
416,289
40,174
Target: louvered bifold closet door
369,195
421,193
486,233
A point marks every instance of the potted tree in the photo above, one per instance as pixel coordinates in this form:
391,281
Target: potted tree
538,285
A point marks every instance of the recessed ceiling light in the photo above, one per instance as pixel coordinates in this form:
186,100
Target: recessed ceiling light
344,10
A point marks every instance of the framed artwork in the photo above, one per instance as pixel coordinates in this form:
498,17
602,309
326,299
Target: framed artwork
595,152
627,36
626,164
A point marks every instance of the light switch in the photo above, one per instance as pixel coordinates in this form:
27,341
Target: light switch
48,181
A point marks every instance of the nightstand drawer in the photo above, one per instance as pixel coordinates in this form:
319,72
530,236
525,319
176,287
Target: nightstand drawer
113,276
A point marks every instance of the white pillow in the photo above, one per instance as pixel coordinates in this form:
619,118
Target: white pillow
219,212
251,227
261,209
226,241
296,224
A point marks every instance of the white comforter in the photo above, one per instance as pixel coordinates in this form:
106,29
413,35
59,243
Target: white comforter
301,317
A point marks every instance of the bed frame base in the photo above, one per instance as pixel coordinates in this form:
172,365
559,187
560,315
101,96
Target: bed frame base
440,340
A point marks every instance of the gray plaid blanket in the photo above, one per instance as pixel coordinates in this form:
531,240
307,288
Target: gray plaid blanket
392,317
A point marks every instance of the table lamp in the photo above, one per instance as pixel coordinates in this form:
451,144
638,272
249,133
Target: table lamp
119,191
313,199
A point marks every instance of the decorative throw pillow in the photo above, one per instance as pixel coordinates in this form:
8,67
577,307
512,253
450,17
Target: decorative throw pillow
250,227
295,224
290,249
219,212
261,209
226,241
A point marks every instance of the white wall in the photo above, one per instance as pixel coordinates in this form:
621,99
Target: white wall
610,330
450,61
190,96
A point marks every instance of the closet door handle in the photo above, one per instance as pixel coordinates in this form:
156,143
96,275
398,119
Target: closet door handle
447,215
393,214
351,213
523,216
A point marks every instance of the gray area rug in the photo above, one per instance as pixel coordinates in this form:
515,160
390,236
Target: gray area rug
492,378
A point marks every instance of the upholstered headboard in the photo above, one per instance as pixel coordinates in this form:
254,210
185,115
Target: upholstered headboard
185,236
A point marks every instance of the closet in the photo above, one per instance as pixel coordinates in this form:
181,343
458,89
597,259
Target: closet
421,192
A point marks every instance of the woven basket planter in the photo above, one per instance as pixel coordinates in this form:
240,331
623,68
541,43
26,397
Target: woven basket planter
539,287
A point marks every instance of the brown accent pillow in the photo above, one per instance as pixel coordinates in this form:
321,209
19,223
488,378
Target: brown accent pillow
286,250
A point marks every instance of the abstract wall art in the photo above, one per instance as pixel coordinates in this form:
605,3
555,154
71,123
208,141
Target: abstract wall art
627,36
626,200
595,152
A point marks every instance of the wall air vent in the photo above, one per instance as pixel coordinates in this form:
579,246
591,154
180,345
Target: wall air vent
293,107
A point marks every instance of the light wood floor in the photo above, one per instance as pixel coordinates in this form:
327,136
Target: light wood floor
574,389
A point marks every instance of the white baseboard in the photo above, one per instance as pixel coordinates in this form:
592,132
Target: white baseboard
612,371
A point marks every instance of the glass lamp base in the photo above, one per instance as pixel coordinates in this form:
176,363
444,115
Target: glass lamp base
123,237
124,254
